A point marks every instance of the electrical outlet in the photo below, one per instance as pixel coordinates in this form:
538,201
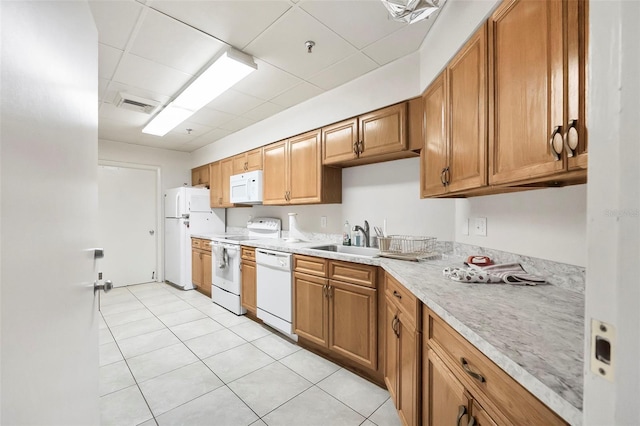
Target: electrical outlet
323,221
481,226
99,275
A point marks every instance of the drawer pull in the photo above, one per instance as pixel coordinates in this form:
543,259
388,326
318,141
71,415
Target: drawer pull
394,326
465,367
556,153
472,422
462,410
396,294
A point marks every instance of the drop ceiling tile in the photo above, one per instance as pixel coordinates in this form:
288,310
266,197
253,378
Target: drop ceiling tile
212,136
360,22
108,58
237,124
197,130
400,43
298,94
352,67
263,111
102,88
234,102
193,145
266,82
144,74
118,131
130,118
115,20
172,43
283,45
211,117
235,22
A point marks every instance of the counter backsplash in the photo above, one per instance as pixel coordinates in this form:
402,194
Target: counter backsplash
568,277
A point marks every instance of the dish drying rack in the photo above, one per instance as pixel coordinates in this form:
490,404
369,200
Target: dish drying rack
407,247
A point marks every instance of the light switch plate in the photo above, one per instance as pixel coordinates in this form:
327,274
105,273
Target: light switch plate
603,362
323,221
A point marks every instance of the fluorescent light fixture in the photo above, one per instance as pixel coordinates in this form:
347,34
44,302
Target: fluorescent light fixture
411,11
228,69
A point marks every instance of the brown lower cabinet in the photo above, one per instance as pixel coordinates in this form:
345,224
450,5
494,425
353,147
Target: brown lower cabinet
460,385
201,265
248,291
336,308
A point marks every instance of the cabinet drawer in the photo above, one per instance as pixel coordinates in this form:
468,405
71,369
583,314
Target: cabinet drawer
195,242
404,300
310,265
353,273
205,245
248,253
486,381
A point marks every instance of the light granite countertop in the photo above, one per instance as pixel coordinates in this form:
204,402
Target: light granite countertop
535,334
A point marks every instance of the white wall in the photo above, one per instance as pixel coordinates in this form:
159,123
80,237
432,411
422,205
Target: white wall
175,166
373,192
613,209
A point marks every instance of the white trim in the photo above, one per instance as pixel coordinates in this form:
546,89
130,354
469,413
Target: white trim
159,225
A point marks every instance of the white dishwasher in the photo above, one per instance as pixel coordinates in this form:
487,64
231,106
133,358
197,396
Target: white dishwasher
274,288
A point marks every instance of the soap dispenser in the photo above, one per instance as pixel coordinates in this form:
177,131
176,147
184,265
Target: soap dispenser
346,234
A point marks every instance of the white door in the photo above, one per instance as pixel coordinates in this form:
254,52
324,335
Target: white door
127,224
49,200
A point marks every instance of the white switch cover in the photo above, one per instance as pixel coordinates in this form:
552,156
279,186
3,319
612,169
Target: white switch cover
323,221
480,227
602,348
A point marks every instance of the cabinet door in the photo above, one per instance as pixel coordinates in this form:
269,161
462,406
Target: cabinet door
196,268
467,103
239,164
576,144
215,190
254,160
353,322
310,308
275,173
433,158
383,131
206,274
195,177
248,292
526,74
339,142
305,168
226,170
408,375
391,351
444,401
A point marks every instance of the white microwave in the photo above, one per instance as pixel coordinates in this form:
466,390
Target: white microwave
246,188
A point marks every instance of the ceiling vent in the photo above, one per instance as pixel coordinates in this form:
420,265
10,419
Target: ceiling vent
135,103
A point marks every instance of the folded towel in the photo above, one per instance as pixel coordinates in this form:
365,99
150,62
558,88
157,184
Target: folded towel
510,273
220,253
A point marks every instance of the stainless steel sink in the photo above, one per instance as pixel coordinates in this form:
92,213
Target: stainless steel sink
351,250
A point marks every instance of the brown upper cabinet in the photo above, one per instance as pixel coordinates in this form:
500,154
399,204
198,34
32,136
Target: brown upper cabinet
293,173
220,171
537,54
454,157
377,136
247,161
200,176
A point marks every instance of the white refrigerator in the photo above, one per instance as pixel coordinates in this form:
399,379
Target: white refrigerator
187,211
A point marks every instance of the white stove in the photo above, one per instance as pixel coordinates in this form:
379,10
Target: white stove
226,266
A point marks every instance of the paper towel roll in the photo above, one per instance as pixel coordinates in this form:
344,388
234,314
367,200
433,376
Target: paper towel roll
294,233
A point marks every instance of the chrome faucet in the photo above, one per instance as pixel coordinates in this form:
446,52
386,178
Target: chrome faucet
365,232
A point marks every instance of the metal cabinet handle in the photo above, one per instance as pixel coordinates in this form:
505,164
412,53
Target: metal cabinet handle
444,183
360,147
462,410
396,294
556,131
571,147
465,367
329,291
472,422
394,325
447,175
324,290
355,148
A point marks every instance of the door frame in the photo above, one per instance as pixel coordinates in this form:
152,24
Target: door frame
159,216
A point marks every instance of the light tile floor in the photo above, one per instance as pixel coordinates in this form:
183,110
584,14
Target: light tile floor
172,357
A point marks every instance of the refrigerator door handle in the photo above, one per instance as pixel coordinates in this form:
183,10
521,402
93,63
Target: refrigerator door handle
178,205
